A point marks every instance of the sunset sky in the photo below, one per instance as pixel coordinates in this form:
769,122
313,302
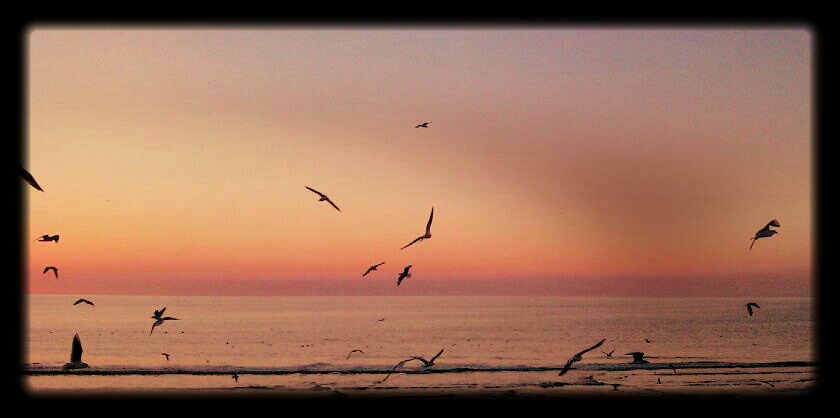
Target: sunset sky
560,161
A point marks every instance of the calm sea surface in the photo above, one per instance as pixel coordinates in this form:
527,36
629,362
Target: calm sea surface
299,334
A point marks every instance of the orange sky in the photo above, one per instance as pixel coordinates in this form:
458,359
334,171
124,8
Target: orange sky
559,161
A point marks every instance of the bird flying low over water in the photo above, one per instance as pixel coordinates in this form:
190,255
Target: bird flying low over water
766,231
166,355
579,357
609,355
161,321
83,301
48,238
372,268
423,125
324,197
354,351
403,275
428,363
637,357
428,230
76,355
54,270
29,179
750,305
235,377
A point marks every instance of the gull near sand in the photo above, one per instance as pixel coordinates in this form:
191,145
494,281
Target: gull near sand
324,197
76,355
428,230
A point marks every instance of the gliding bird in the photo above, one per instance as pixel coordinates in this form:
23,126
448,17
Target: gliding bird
403,275
423,125
428,230
354,351
578,357
48,238
323,197
766,231
750,305
54,270
372,268
83,301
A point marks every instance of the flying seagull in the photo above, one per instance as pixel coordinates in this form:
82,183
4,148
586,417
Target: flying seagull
609,355
750,305
354,351
54,270
637,357
766,231
648,341
423,125
76,355
29,179
428,230
158,313
165,355
579,357
83,301
235,377
324,197
372,268
161,321
403,275
428,363
48,238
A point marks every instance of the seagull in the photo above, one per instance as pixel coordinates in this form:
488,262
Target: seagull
423,125
161,321
354,351
403,275
29,179
324,197
609,355
372,268
766,231
76,355
158,313
83,301
53,268
428,363
578,357
48,238
637,357
428,230
381,319
750,305
165,355
648,341
235,377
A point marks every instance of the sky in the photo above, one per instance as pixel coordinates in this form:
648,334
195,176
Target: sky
560,161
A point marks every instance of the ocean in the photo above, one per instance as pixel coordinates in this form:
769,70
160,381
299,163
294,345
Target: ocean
500,346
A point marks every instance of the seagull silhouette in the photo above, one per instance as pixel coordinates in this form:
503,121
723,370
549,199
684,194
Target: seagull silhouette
609,355
48,238
235,377
83,301
423,125
161,321
372,268
766,231
54,270
29,179
750,305
354,351
428,230
578,357
637,357
428,363
165,355
76,355
158,313
324,197
403,275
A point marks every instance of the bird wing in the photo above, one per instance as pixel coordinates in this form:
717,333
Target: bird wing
567,366
370,269
333,204
749,309
55,272
29,179
78,301
591,348
378,265
400,279
436,356
46,269
319,193
412,242
88,302
774,222
158,322
753,243
429,224
76,351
